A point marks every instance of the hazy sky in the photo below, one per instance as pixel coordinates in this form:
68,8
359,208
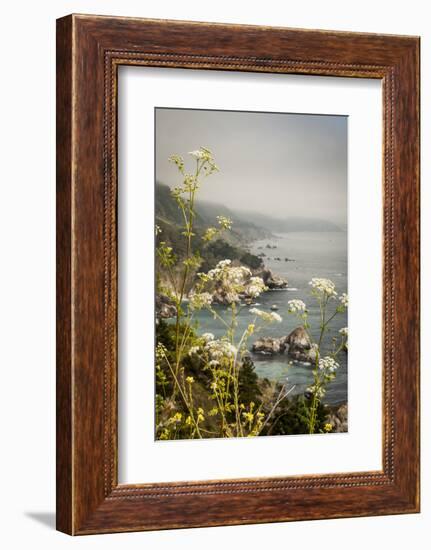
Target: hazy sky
277,164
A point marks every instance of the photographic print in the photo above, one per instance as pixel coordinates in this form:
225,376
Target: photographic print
251,292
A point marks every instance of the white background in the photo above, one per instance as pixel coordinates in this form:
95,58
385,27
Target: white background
141,458
27,119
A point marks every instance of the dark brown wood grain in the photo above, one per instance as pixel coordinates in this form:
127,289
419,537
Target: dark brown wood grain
64,286
89,51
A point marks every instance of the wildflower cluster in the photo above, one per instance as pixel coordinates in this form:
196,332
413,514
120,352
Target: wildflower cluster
270,317
325,367
220,349
344,299
323,286
224,224
328,364
296,306
231,283
200,300
197,368
205,156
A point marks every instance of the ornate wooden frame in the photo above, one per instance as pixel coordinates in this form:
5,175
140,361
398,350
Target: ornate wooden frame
89,51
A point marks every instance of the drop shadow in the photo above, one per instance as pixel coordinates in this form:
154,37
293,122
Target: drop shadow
45,518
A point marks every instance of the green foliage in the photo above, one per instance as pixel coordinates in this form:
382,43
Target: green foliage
249,390
220,249
251,260
293,417
170,219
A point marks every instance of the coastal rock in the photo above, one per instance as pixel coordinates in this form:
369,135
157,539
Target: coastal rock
165,308
338,419
272,281
300,347
222,297
269,346
297,345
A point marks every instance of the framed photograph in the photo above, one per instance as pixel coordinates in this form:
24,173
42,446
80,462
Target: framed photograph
237,274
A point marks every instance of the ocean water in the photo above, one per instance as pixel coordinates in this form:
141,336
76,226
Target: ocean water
315,255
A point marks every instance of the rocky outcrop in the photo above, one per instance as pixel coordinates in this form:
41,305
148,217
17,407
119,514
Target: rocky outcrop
297,345
272,281
338,419
165,308
300,347
269,346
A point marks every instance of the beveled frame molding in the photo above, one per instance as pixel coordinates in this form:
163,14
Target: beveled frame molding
89,51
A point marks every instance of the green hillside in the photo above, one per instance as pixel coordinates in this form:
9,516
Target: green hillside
232,245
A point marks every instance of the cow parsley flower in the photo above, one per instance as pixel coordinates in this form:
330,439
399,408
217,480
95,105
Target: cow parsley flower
328,364
296,306
178,161
230,282
270,317
323,286
208,336
344,331
198,154
193,350
344,299
318,391
209,234
200,300
224,222
220,349
223,263
255,287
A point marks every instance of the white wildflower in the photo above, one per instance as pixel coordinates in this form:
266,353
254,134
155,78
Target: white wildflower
231,297
232,282
210,233
266,316
223,263
318,391
203,154
255,287
296,306
224,222
161,351
344,299
344,331
220,349
324,286
198,153
193,350
200,300
208,336
328,364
